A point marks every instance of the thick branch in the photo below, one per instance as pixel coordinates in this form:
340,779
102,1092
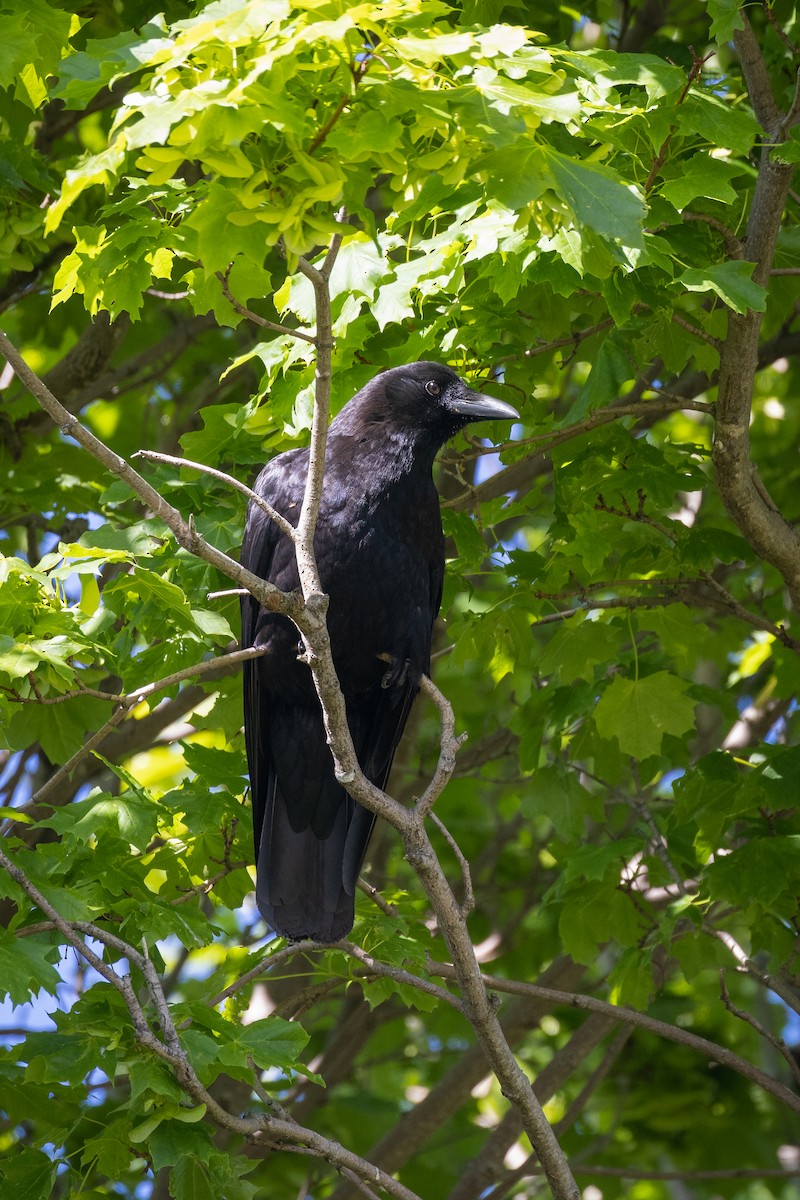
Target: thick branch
755,73
306,560
742,492
418,849
486,1168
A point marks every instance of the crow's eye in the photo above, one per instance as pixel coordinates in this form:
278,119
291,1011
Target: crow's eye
432,388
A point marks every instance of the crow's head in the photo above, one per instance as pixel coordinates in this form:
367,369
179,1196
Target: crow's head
425,400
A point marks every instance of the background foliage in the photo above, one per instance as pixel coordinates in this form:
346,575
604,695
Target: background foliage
552,200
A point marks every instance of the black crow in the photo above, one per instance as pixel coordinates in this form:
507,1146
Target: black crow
380,552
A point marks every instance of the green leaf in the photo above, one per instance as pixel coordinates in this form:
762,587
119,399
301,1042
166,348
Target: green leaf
272,1042
640,712
597,197
703,176
215,766
508,95
101,168
559,796
631,980
109,1149
581,924
24,968
726,18
731,281
59,728
612,368
29,1175
16,661
60,1057
657,77
130,816
599,862
765,870
194,1178
576,649
718,122
82,75
116,543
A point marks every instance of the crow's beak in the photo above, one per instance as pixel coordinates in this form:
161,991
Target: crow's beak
477,407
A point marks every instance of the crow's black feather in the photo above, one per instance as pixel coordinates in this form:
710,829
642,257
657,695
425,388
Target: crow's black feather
380,553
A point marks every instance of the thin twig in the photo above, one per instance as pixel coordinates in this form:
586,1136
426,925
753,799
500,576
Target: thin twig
776,25
771,982
89,930
681,1176
253,497
468,903
792,115
384,970
271,1103
389,909
243,311
697,332
173,1053
778,1043
619,1012
449,745
65,928
572,339
658,162
125,703
552,438
732,242
271,960
358,71
184,531
208,885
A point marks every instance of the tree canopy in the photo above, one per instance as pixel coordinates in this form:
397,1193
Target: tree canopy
221,220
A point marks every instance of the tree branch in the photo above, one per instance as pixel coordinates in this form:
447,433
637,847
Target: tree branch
514,476
778,1043
417,1126
281,1131
185,533
255,318
259,501
679,1176
124,704
756,77
483,1172
310,619
418,849
745,499
619,1012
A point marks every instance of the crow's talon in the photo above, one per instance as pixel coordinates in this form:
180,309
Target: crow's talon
398,673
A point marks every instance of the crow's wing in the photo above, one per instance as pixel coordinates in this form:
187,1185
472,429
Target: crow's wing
281,483
301,815
310,836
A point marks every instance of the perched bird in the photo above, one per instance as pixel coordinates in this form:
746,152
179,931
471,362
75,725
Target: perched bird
380,552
